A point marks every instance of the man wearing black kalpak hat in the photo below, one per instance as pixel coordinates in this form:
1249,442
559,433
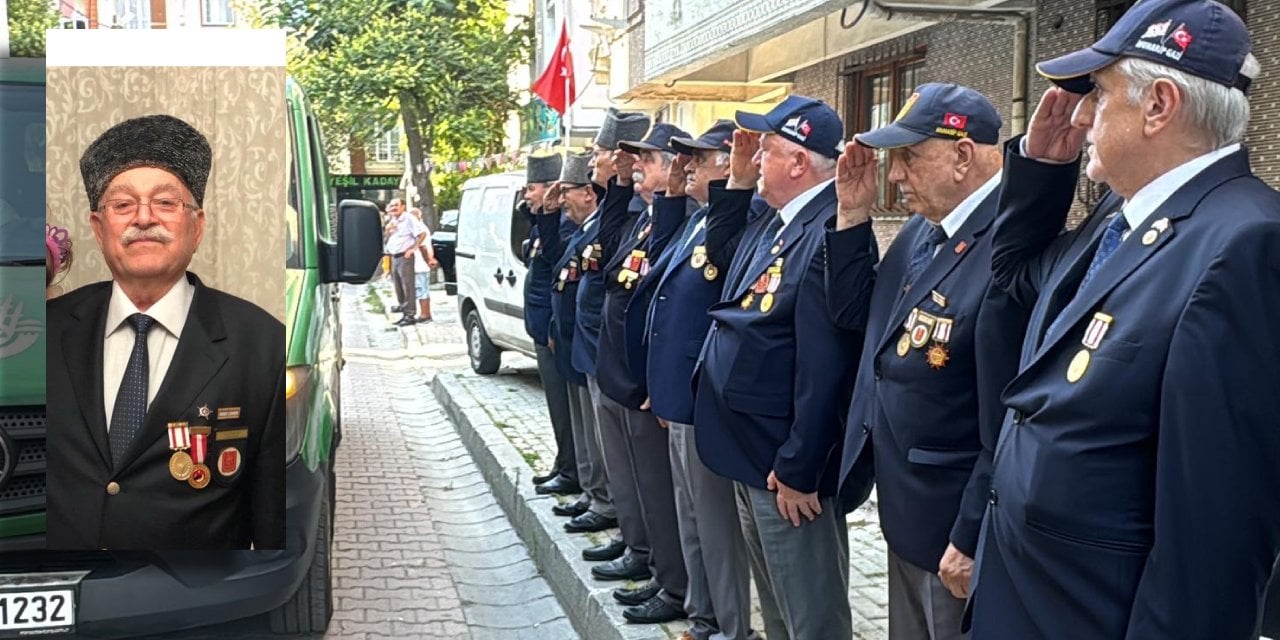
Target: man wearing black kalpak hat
165,396
775,374
939,345
1134,492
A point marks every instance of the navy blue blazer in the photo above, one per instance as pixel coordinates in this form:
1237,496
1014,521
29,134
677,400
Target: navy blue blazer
929,409
547,236
774,377
616,212
651,234
564,298
1135,492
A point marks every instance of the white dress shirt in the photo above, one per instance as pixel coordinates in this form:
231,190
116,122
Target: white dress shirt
170,314
1149,198
789,210
960,215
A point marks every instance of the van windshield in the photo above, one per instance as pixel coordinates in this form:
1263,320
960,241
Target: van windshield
22,169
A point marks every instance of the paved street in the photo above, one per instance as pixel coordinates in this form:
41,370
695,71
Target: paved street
422,549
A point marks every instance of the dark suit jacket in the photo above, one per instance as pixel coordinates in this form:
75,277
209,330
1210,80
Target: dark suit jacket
932,428
652,234
773,384
1139,501
617,211
547,235
564,298
230,354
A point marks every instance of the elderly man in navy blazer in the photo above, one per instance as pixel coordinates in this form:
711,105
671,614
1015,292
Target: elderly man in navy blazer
939,347
776,374
1136,489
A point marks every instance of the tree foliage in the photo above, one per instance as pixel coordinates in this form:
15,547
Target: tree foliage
28,20
438,68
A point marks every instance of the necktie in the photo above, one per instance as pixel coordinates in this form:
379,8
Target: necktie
924,254
131,400
766,239
1110,242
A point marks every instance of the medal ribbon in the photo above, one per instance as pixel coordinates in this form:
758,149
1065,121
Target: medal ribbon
201,446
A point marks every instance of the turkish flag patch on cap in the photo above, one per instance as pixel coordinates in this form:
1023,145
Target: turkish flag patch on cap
955,120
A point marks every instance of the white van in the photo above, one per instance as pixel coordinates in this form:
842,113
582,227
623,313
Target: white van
491,275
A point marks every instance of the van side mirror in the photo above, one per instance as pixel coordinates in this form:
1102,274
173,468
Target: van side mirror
359,248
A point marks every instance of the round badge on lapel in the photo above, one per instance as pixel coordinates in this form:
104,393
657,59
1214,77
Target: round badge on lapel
697,259
710,272
1079,364
1149,238
904,345
229,462
766,303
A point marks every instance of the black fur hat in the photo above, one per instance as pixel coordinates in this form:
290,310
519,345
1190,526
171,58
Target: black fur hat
160,141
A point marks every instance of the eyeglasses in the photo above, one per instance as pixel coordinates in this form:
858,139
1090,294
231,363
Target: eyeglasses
159,206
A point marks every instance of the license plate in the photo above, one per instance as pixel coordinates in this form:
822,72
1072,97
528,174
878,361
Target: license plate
38,604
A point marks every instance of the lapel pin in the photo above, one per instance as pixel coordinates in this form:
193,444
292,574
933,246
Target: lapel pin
938,298
205,412
1149,238
961,246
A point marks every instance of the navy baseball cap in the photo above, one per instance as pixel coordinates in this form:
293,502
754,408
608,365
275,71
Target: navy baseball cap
805,121
1200,37
938,110
718,138
659,139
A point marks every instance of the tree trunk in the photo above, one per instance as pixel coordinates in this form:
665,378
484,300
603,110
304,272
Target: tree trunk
418,151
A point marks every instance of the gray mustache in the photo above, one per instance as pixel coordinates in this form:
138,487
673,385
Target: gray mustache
134,234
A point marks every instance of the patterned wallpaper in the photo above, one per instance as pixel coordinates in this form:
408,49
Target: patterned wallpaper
241,110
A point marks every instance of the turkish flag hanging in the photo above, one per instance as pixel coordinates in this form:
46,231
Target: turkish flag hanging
555,86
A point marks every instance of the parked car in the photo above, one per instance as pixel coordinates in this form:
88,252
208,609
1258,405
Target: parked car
443,242
105,594
490,272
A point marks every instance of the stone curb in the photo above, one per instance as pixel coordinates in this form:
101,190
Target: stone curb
557,554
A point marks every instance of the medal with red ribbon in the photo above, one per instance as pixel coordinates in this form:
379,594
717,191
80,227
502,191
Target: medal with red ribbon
199,449
179,440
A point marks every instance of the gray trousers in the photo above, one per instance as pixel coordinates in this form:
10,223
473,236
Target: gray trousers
586,445
639,470
802,573
406,288
557,393
920,607
715,555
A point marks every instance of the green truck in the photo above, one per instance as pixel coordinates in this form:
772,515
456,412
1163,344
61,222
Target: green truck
126,594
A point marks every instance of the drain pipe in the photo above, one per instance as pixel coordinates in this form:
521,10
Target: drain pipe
1023,20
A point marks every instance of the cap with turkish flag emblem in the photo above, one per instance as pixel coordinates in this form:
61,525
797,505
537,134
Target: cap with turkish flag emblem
938,110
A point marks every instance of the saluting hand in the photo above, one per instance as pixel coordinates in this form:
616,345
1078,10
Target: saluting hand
1051,136
743,172
954,570
676,176
553,199
857,185
792,504
625,163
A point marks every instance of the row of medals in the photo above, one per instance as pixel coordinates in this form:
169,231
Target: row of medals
184,469
767,284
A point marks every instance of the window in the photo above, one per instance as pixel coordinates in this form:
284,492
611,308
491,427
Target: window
217,13
132,14
875,95
387,147
293,204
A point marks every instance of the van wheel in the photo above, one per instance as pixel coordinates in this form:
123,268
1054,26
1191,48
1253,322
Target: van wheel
311,606
485,358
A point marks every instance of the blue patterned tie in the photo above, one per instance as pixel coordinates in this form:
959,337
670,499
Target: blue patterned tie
131,400
1110,242
924,254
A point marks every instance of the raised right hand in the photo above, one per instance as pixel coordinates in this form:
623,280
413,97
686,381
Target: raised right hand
1051,136
743,172
553,199
857,182
625,164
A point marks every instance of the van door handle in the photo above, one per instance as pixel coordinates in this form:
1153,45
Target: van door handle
497,275
511,277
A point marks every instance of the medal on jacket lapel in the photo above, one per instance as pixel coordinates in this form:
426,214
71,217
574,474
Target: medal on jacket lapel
699,257
179,440
1092,339
710,272
199,447
773,278
904,344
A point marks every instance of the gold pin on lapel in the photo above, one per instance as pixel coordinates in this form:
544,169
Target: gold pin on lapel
938,298
1149,238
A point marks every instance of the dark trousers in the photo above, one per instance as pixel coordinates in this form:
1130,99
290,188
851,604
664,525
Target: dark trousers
406,292
557,393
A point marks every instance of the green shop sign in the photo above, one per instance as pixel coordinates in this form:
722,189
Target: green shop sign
363,181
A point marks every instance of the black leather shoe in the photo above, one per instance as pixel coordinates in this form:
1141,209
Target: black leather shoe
572,509
655,610
639,595
544,477
628,567
404,322
558,485
611,550
590,521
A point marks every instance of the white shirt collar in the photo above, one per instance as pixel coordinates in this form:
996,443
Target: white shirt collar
170,311
789,210
960,215
1152,196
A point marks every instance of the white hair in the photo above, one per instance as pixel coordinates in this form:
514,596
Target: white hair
821,164
722,159
1219,112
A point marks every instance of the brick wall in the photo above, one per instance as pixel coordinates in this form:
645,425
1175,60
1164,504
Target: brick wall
1263,137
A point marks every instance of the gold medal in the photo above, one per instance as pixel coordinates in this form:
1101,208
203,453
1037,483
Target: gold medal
937,356
180,466
622,276
1079,364
1149,238
711,272
904,344
199,476
746,302
560,286
766,303
698,259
